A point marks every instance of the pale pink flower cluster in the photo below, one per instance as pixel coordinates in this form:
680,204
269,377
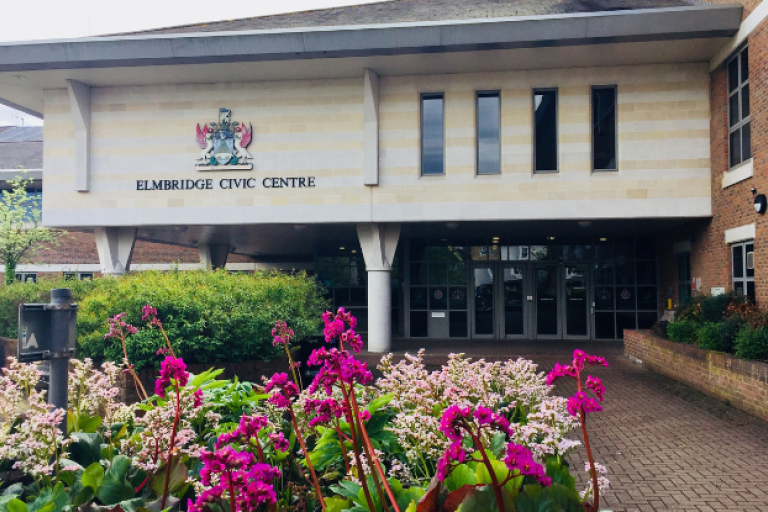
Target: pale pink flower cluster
36,439
602,481
149,448
420,397
94,391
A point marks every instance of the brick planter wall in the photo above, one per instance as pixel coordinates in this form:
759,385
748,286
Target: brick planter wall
742,383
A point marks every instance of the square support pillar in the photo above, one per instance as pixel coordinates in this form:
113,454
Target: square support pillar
213,256
80,105
115,246
379,242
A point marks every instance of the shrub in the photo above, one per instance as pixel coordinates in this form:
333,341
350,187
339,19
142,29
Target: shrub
729,329
713,308
683,331
689,309
752,343
660,329
209,316
710,336
19,293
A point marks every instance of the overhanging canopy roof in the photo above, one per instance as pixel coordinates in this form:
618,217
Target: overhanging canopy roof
27,68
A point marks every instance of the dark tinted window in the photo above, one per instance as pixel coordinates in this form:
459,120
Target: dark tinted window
488,133
432,139
739,139
545,130
604,128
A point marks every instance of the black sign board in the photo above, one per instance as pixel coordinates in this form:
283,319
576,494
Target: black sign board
35,337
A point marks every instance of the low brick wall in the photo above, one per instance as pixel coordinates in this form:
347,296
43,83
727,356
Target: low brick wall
742,383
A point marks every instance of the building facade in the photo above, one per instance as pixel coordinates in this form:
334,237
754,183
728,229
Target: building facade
465,170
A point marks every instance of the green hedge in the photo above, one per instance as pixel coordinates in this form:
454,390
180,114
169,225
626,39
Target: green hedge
685,331
209,316
752,343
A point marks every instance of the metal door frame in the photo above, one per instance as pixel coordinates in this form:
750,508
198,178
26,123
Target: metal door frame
494,266
527,305
588,298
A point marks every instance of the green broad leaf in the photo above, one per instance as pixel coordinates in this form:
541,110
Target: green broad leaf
89,424
376,424
132,505
86,449
347,489
460,476
51,499
178,478
514,484
499,468
483,499
567,499
118,430
92,476
559,473
210,374
407,498
115,486
380,402
13,490
498,443
16,505
336,504
85,495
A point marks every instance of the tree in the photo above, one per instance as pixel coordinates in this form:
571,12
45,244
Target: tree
21,232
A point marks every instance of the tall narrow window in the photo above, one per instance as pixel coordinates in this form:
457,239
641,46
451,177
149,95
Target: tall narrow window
738,108
545,130
743,266
684,275
488,133
432,138
604,128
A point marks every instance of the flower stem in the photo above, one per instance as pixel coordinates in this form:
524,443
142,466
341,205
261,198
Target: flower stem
491,471
306,457
356,448
170,448
592,471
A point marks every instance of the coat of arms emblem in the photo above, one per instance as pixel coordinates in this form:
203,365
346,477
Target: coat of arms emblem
224,144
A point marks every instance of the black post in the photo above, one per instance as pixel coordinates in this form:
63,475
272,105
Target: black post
63,325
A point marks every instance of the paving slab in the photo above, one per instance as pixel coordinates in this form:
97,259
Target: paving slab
667,446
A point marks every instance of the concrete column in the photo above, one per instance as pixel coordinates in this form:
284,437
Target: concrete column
213,256
115,246
80,105
379,242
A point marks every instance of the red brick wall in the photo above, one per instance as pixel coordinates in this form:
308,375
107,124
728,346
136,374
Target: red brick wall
743,384
731,207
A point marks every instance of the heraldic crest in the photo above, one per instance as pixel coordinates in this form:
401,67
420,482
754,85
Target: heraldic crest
224,144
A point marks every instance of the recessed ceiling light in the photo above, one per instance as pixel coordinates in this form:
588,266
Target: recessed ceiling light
342,248
452,225
585,224
603,239
299,227
353,251
550,238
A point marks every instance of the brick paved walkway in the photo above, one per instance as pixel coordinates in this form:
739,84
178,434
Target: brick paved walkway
667,446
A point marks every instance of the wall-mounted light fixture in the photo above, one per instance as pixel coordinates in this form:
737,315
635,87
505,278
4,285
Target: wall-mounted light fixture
760,202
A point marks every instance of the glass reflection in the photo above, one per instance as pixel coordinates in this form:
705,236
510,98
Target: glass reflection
488,133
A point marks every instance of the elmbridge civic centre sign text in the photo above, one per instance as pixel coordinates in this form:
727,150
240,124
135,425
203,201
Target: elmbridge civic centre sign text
225,183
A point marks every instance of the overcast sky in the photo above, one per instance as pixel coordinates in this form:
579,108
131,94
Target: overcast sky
55,19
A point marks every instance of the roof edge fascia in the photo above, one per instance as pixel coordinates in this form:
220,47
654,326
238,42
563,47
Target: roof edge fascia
673,23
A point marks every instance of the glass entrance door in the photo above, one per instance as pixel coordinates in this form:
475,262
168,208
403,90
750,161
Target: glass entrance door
515,304
576,288
484,298
547,301
499,300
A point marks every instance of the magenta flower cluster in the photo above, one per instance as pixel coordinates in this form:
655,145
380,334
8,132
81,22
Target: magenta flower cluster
337,366
285,390
581,400
281,334
171,368
247,483
342,325
149,312
458,422
323,412
118,328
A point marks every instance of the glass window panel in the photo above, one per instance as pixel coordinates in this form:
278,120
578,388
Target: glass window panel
432,139
646,320
751,290
341,297
418,273
625,273
516,252
488,133
645,248
734,115
735,147
478,250
438,250
745,65
438,273
646,272
395,321
359,296
733,75
604,128
747,249
626,298
746,142
419,324
738,287
646,297
738,260
745,101
458,326
604,298
438,298
604,249
457,252
418,249
418,298
604,326
625,321
457,273
684,267
604,273
494,252
545,130
625,249
458,297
